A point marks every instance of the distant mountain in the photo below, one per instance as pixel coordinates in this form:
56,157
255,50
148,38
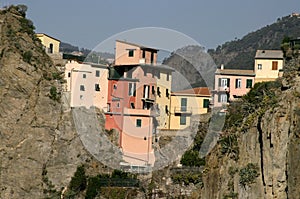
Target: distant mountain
194,67
239,54
69,48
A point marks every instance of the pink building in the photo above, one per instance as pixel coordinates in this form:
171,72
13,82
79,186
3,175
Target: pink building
231,84
86,84
131,101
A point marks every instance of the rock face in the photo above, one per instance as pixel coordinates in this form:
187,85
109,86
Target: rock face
39,147
272,143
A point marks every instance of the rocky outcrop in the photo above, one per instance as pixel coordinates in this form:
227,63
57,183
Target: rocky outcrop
271,143
39,147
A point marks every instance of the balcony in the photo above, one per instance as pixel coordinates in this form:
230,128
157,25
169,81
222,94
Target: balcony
183,110
137,112
223,89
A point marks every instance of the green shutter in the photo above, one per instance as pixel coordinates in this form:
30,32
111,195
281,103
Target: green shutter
206,103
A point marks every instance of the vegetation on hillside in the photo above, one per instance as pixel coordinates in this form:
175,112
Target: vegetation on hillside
239,53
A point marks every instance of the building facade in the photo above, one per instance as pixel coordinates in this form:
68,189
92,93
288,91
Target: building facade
50,43
188,103
268,65
231,84
87,84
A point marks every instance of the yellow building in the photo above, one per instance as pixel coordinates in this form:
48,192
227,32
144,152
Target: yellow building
187,103
51,44
268,65
163,95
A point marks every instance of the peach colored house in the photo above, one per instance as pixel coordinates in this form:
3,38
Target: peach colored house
129,53
187,103
132,109
268,65
231,84
87,84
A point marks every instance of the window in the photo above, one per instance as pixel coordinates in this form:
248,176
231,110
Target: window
132,89
183,120
249,83
153,90
97,87
97,73
146,91
84,76
118,105
51,48
138,123
183,104
223,98
274,65
205,103
238,83
167,92
152,57
259,66
224,82
115,86
166,109
132,105
130,53
108,107
144,54
81,97
69,74
158,91
82,88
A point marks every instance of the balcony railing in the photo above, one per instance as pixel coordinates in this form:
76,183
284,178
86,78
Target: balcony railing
183,110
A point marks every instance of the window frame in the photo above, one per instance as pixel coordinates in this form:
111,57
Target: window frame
138,123
97,73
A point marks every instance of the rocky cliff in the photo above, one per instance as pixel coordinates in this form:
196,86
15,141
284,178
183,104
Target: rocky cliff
258,154
39,148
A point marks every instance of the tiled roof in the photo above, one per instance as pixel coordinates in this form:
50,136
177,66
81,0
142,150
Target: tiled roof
43,34
235,72
269,54
137,45
201,91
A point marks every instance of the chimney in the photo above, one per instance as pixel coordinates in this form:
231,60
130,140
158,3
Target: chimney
222,66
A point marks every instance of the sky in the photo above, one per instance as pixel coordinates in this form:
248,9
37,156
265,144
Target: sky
210,23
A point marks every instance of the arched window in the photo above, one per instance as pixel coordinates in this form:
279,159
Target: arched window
51,48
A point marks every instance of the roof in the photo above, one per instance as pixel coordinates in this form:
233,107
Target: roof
41,34
153,66
235,72
138,45
269,54
199,91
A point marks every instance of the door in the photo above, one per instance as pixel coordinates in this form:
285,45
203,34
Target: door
183,104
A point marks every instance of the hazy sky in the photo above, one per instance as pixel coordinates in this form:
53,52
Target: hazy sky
209,22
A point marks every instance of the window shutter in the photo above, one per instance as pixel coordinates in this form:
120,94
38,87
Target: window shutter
220,82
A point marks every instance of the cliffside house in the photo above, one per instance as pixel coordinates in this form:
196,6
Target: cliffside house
231,84
86,84
268,65
187,103
50,43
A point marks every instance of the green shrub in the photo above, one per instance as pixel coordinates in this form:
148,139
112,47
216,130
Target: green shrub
186,178
192,158
78,181
229,145
248,174
54,95
93,187
27,56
